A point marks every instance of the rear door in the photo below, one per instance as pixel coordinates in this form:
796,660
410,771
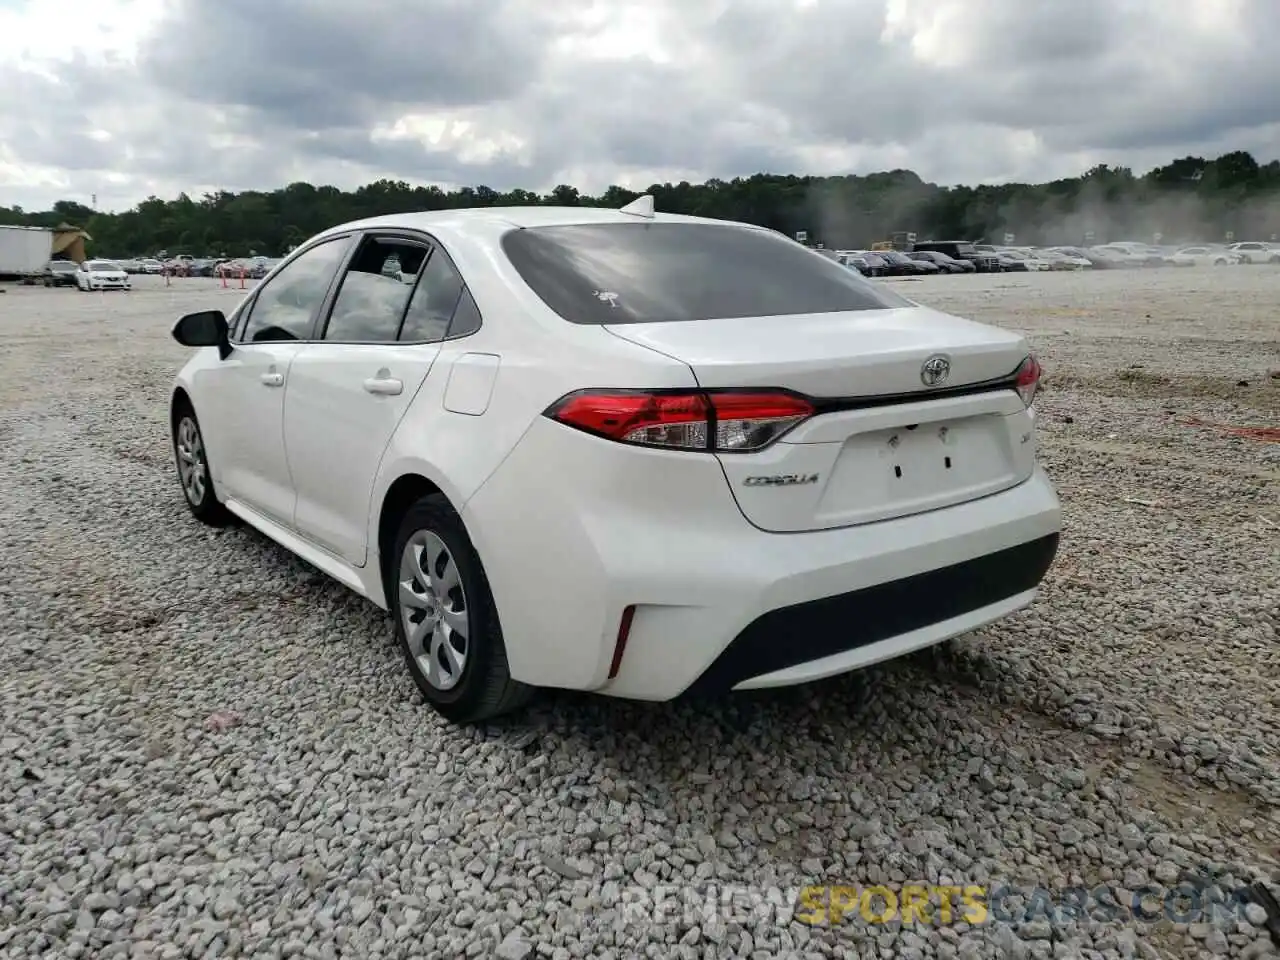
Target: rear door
351,386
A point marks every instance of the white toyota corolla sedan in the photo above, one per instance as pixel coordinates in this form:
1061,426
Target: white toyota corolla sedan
621,451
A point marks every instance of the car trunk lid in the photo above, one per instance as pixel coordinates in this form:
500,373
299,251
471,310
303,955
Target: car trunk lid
883,443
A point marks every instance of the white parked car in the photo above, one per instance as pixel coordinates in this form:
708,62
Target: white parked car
1033,262
618,451
1251,252
150,265
1202,256
102,275
1119,256
1058,260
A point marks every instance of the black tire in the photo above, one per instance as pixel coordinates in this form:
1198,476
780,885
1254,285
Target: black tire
204,505
484,688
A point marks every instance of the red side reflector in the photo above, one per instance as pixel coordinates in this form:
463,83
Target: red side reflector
620,646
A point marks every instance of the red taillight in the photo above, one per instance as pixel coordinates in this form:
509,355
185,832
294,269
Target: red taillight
715,421
1028,382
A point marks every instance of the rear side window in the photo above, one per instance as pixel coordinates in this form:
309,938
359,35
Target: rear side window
434,301
374,292
657,272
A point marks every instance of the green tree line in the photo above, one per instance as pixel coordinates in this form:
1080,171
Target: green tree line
1192,199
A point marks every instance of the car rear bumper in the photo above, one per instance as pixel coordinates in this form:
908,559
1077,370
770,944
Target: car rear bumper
573,530
818,638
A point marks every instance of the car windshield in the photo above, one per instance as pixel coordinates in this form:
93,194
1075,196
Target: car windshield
103,265
614,273
63,265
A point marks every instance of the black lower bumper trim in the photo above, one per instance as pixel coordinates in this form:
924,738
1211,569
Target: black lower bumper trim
808,631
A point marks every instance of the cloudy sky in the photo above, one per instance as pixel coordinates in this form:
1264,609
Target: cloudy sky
126,98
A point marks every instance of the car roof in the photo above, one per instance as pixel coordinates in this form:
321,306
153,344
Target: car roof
475,222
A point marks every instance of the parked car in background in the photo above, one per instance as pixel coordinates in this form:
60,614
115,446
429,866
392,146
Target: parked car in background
855,262
869,263
1142,254
150,265
1010,264
1251,252
962,250
897,266
1063,261
756,468
101,275
1089,255
252,268
900,265
944,263
1201,257
1033,264
1118,256
60,273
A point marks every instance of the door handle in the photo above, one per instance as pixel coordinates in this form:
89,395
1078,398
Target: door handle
273,379
384,386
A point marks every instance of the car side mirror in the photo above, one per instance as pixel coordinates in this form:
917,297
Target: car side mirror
207,328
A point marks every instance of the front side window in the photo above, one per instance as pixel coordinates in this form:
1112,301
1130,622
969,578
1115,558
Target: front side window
286,305
373,295
605,273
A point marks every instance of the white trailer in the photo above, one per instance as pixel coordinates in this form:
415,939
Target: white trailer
24,251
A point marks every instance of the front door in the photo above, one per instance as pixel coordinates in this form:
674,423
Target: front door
243,426
349,390
248,388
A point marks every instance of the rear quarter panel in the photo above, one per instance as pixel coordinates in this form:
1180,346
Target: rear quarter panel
541,358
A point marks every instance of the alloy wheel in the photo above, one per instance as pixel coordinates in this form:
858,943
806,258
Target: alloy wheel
433,609
192,467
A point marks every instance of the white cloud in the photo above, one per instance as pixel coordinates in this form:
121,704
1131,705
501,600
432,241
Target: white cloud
125,98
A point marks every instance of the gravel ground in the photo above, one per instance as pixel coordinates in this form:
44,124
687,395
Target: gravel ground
209,749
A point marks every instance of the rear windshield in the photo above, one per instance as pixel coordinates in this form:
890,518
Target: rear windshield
657,272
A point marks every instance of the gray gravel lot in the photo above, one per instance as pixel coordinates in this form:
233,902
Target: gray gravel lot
209,749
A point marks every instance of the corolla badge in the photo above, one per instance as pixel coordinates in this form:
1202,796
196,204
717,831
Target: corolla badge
781,480
935,371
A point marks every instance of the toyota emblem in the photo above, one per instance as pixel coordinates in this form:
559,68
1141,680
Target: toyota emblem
935,371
